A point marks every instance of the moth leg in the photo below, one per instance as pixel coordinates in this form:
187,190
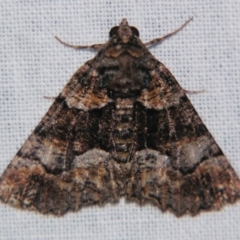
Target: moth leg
161,39
49,98
93,47
194,92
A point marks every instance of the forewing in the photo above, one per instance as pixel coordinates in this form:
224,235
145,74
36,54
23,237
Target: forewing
182,167
61,167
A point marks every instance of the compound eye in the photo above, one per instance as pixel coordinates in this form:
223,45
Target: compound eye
135,31
113,31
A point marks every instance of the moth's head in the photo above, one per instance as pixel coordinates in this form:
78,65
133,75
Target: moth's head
124,31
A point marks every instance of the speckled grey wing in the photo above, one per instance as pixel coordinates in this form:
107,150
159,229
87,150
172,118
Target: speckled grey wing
182,168
61,167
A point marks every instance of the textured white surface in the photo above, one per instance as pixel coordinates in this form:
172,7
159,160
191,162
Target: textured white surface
205,55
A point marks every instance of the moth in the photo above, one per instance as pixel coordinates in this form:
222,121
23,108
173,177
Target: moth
121,127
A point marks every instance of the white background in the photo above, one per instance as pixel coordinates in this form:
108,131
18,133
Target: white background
205,55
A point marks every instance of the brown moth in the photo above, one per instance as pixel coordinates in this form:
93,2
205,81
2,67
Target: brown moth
121,127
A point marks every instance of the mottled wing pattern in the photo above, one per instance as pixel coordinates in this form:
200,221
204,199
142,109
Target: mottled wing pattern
122,126
60,167
182,168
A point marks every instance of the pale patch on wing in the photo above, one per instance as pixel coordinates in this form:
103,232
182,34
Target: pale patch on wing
79,96
49,152
86,100
159,96
90,158
86,97
193,152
